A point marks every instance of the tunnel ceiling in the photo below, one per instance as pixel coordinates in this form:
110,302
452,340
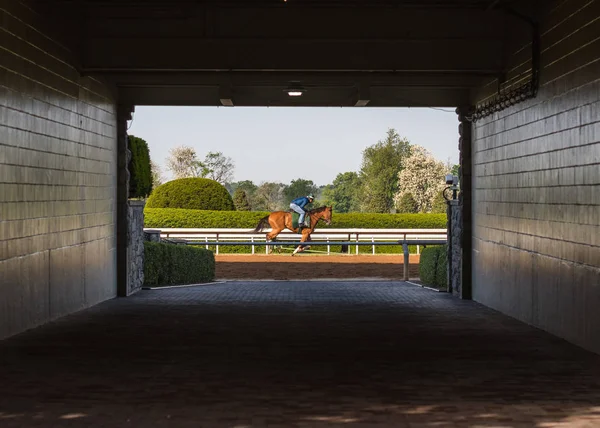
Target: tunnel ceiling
246,53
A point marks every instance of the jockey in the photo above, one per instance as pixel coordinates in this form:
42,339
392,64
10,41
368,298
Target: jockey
298,205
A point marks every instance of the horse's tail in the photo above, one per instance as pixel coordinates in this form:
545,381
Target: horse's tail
264,222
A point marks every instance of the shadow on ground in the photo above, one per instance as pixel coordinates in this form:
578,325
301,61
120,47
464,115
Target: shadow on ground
295,355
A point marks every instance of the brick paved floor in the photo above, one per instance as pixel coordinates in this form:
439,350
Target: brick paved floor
295,354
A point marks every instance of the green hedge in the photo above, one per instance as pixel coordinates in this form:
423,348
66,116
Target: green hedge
191,194
164,218
140,181
170,264
433,266
178,218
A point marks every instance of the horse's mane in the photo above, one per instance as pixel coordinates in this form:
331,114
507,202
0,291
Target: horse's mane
317,210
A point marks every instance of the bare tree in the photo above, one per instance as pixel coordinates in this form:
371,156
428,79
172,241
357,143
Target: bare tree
218,167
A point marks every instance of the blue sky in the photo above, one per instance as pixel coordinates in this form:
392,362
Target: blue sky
281,144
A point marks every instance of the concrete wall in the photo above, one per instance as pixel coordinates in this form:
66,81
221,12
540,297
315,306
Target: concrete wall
57,177
536,184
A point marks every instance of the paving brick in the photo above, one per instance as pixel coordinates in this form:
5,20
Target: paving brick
295,354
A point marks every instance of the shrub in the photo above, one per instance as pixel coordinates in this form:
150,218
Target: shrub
168,217
240,200
439,204
441,271
407,204
433,266
170,264
178,218
140,180
164,218
191,194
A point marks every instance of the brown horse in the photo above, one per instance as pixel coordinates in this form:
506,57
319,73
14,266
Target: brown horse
279,220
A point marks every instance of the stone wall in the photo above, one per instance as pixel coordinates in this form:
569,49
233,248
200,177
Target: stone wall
455,227
536,185
57,176
135,246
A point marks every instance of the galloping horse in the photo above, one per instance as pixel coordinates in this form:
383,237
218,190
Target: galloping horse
279,220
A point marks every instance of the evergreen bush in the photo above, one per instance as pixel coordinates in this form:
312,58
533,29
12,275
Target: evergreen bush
170,264
191,194
433,266
140,171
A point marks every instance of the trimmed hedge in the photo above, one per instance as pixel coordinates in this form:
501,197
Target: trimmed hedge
163,218
140,181
191,194
179,218
170,264
433,266
169,217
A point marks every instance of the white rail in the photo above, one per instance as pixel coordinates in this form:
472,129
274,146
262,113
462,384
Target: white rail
210,235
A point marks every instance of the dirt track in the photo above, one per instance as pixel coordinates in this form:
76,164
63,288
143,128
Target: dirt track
262,266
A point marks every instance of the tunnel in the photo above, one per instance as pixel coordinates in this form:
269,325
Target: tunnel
523,77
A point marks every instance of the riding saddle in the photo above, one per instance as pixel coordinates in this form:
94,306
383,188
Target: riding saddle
296,216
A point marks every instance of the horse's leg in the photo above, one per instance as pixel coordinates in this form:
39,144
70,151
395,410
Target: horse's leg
305,237
271,237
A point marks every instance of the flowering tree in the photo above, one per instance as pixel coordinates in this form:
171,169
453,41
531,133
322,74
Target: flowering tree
183,163
422,176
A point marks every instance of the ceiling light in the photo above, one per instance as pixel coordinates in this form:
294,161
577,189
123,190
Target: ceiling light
225,95
363,96
295,90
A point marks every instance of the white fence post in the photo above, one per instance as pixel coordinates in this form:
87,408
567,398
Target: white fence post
327,237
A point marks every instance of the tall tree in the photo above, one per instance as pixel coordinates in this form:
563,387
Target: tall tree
379,172
324,196
297,188
345,192
247,186
423,177
269,197
439,204
240,201
407,204
218,167
183,163
455,169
